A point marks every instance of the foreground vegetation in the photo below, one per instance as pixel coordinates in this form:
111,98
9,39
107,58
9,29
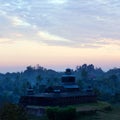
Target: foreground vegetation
94,111
113,114
10,111
61,113
90,111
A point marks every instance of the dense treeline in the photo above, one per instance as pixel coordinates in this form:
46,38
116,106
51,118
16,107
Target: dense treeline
105,84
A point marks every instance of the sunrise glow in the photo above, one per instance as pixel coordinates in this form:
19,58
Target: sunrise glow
59,34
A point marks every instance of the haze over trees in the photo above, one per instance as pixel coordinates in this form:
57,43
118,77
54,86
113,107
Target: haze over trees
105,84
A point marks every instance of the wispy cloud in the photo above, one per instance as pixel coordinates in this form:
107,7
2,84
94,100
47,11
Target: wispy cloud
51,37
19,22
62,22
6,41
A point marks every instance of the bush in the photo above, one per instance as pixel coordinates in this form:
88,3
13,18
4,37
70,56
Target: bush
12,112
51,113
57,113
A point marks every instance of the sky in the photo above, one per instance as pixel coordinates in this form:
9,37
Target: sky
58,34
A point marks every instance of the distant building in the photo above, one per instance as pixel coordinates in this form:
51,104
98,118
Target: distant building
66,94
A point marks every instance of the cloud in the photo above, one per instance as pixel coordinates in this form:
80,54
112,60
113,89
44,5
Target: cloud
58,2
19,22
73,23
51,37
6,41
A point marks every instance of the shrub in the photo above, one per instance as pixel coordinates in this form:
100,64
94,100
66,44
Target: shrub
12,112
57,113
51,113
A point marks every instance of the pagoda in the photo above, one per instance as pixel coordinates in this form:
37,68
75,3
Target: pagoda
68,93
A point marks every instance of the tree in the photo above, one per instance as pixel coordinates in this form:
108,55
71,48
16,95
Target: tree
59,113
38,81
90,67
12,112
80,83
26,85
84,66
114,81
29,68
113,77
84,74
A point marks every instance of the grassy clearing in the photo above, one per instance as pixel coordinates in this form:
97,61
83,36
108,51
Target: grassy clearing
114,114
100,110
93,106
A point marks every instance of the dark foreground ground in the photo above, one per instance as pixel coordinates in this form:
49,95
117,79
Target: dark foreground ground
113,114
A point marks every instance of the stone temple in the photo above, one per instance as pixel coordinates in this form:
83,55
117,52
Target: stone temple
68,93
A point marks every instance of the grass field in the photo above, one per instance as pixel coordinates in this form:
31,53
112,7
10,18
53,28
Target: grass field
103,112
113,114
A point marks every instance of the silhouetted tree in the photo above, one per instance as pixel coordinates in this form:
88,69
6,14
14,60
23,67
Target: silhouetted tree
113,77
84,74
38,81
26,85
12,112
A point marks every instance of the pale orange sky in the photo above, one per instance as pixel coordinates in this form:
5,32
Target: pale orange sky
59,33
24,53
